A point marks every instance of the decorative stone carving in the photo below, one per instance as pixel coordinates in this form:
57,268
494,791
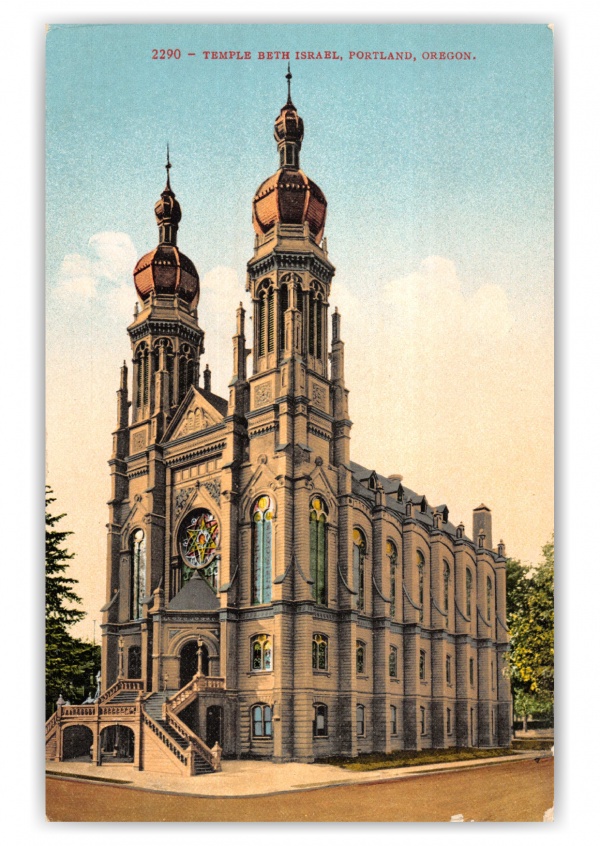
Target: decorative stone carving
318,396
181,499
214,489
262,395
138,442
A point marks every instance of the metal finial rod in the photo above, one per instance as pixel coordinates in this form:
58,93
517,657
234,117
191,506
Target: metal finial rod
168,167
288,76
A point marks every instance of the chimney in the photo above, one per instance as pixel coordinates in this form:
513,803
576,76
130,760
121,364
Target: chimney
207,375
482,525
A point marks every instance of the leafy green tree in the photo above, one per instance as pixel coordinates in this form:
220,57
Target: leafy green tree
71,664
530,606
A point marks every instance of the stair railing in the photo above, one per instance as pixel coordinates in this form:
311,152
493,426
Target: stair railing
198,684
166,740
118,686
211,756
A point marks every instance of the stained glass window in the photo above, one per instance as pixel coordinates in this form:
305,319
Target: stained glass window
319,652
359,550
469,587
262,549
262,653
200,546
392,554
421,575
360,657
318,549
422,665
393,661
138,573
446,585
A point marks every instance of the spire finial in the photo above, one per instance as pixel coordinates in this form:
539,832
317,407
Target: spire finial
288,76
168,167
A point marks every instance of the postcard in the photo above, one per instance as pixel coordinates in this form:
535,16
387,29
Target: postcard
299,422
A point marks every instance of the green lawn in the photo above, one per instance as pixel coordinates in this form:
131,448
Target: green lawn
377,761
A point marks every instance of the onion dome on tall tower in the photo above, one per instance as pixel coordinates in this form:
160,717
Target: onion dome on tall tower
166,270
289,196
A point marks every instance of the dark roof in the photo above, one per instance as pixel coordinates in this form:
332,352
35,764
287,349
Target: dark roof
195,595
217,402
360,486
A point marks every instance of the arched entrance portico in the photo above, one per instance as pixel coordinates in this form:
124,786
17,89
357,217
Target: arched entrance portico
77,743
191,659
117,743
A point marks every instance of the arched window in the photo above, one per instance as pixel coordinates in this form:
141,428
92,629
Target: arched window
392,554
142,391
393,662
138,573
283,307
360,657
359,551
200,546
262,549
421,580
393,720
422,657
446,586
261,653
320,646
262,721
266,319
488,597
315,324
320,720
318,549
448,669
469,589
360,720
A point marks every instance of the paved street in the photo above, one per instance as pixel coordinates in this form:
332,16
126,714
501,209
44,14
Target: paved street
519,791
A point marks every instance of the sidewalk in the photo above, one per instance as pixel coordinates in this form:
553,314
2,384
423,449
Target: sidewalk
256,778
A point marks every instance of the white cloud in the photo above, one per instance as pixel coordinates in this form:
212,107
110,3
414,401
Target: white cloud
450,389
102,273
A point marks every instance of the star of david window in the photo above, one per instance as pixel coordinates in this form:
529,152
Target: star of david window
200,546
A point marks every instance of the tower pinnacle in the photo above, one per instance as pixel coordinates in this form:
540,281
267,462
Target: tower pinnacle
288,76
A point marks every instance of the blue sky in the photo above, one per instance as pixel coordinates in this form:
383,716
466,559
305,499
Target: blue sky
451,158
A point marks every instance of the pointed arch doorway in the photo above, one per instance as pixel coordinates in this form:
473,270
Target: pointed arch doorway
191,659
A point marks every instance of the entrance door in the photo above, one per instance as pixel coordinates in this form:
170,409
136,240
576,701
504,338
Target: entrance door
188,662
214,725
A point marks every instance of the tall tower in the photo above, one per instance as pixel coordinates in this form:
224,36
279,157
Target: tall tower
165,338
289,279
166,344
297,424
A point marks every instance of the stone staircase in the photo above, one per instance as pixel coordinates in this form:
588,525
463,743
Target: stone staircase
164,742
184,740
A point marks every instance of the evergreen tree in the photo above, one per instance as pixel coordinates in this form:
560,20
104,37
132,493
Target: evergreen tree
71,664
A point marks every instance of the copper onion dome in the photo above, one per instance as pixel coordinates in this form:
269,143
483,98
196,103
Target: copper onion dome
166,270
289,196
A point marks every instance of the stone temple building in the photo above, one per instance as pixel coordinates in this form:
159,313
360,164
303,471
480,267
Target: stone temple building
266,595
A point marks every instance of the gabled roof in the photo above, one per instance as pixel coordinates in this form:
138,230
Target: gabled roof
207,409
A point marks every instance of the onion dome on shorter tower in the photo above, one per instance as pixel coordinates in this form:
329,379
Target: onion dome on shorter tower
166,270
289,196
